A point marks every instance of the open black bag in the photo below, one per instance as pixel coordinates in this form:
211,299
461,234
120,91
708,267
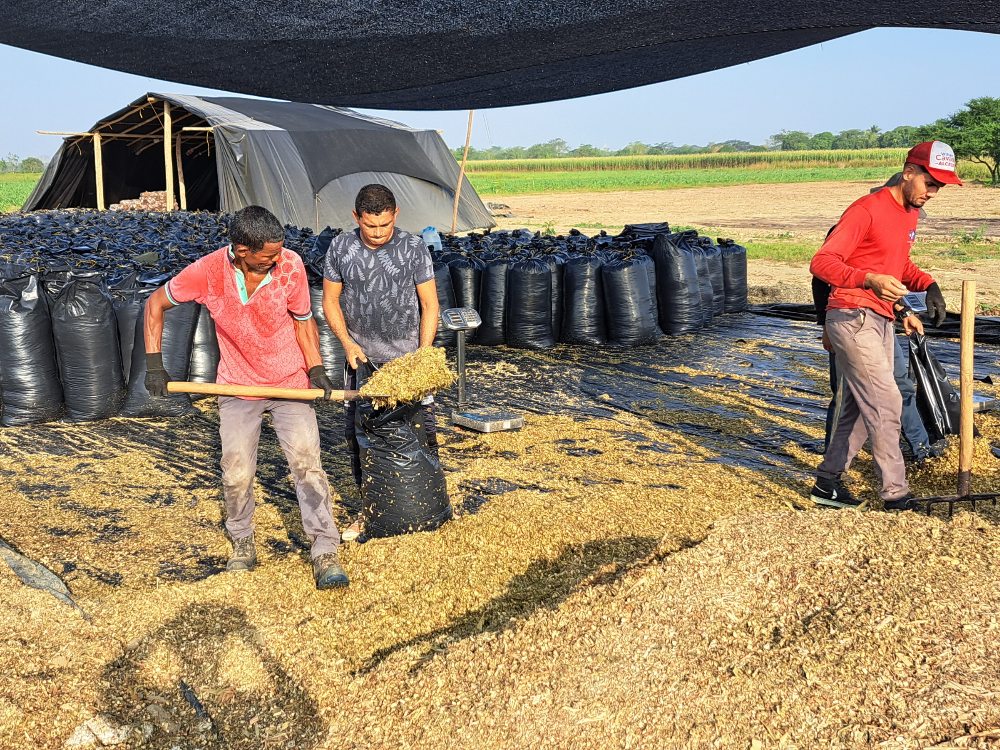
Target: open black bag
937,399
403,484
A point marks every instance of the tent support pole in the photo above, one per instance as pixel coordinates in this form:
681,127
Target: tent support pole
181,188
99,171
168,153
461,174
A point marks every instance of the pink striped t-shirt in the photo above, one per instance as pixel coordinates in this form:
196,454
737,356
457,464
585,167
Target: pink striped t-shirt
257,343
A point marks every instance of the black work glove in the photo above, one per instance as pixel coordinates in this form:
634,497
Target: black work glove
936,311
156,377
319,379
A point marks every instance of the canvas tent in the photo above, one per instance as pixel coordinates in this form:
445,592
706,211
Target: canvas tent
427,55
305,162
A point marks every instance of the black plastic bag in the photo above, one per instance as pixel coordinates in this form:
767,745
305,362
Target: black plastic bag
529,303
402,483
446,299
630,303
583,302
129,305
30,390
677,288
86,336
330,348
734,275
466,280
705,285
203,366
178,332
937,399
713,256
556,267
493,303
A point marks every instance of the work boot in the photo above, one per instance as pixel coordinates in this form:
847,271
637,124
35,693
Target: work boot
244,555
328,572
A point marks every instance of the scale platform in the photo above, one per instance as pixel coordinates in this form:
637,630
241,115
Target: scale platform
485,419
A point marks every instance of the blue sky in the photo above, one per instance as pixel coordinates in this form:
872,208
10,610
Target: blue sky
883,77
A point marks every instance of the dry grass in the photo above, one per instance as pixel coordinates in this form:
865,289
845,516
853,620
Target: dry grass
628,590
409,378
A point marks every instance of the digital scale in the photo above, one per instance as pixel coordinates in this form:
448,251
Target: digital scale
481,419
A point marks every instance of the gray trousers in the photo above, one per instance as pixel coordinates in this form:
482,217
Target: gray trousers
298,434
870,403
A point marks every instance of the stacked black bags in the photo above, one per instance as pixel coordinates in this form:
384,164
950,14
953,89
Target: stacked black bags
179,325
30,390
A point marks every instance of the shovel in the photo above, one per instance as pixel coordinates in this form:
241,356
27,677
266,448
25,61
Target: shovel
259,391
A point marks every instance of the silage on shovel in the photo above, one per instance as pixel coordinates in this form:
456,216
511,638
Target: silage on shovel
409,378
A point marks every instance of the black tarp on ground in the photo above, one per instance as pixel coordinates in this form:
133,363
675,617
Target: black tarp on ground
423,55
706,385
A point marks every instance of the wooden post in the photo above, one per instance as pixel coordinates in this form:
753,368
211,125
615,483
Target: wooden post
181,189
461,174
168,154
965,445
99,170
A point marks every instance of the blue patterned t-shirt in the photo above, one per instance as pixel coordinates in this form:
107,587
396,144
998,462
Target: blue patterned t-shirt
379,298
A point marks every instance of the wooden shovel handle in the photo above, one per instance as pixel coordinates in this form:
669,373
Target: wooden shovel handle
257,391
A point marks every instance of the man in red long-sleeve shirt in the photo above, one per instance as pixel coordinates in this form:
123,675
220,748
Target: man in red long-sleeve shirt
866,259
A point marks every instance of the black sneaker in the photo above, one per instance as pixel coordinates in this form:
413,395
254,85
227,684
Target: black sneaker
906,502
833,494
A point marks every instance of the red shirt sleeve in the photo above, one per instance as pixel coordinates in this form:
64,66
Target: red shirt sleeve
914,279
299,302
190,284
832,262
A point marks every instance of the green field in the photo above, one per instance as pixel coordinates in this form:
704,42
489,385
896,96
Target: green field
15,189
521,183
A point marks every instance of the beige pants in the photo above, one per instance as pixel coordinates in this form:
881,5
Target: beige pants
298,434
869,402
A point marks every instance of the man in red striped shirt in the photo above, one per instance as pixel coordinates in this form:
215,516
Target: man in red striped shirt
866,261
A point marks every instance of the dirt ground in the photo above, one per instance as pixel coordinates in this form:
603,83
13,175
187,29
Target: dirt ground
746,213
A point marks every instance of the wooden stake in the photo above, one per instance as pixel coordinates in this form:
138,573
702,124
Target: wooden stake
99,171
181,189
967,339
461,174
168,154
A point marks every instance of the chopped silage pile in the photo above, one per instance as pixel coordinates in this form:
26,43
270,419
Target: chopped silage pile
608,582
409,378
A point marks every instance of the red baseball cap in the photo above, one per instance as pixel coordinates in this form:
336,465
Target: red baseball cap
937,158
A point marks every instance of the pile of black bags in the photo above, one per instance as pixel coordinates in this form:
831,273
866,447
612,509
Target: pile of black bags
534,291
73,285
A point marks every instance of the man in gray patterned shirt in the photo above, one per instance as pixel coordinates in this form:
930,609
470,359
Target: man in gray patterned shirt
379,298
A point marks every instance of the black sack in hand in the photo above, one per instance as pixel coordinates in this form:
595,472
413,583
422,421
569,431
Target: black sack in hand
937,399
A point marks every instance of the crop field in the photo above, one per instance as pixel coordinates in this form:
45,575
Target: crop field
15,189
658,172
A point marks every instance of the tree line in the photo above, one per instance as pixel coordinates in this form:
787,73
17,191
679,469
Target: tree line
13,163
974,133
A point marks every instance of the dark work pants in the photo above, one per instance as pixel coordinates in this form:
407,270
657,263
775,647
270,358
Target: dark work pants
425,421
911,423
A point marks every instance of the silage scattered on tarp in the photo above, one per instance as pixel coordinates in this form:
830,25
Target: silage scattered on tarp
409,378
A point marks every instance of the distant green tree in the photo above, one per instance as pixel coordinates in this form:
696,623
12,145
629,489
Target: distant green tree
791,140
850,139
974,133
548,150
9,163
821,141
587,150
871,136
635,148
31,164
903,136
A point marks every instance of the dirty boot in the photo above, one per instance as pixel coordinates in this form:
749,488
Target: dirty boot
328,572
244,555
